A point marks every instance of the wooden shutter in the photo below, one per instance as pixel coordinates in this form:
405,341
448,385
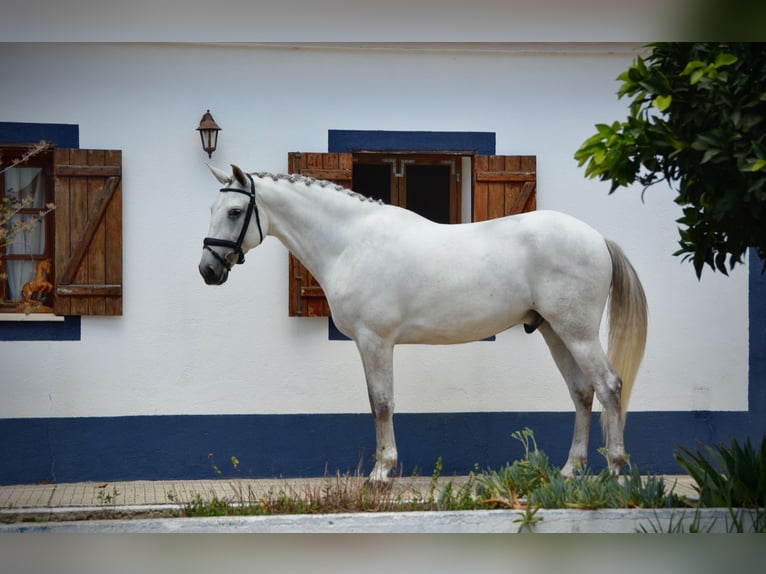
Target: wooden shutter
306,298
503,185
88,243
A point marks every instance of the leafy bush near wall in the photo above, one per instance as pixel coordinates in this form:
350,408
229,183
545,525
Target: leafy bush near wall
728,476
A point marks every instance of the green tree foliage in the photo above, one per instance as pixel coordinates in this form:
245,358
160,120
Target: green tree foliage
697,120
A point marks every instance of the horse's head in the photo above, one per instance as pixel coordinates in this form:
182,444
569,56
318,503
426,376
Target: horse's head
236,225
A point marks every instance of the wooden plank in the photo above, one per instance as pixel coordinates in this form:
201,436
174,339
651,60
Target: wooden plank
77,272
96,245
85,170
90,290
328,174
496,190
511,189
113,221
312,291
495,200
505,176
480,189
335,167
293,296
61,305
520,202
529,164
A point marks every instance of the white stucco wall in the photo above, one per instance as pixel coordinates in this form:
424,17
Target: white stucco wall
185,348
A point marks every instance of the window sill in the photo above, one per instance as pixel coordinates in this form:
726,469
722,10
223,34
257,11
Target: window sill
20,317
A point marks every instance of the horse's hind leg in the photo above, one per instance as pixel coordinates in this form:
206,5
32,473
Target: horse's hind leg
595,366
582,396
378,362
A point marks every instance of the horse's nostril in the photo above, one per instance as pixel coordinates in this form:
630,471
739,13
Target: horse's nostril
207,272
211,275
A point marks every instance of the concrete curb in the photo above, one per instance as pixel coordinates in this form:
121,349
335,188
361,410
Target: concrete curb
714,520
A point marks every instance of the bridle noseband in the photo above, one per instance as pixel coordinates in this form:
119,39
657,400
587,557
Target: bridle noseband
236,246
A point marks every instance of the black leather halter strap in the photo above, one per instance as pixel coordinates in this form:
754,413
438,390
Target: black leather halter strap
236,246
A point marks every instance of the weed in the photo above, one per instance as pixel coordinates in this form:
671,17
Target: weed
505,488
528,519
105,497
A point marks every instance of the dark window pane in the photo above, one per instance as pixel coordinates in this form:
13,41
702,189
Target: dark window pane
428,191
373,181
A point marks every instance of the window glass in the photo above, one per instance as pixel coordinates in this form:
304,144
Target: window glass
26,242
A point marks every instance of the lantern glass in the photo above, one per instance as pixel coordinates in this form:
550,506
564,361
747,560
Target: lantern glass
208,132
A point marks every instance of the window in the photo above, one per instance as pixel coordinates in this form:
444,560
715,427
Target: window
28,187
81,240
427,183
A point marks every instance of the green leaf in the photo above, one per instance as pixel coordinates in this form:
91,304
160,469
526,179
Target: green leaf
634,75
696,75
691,66
599,155
724,59
662,102
604,130
595,139
710,154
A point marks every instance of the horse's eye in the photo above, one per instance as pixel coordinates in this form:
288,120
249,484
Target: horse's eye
234,213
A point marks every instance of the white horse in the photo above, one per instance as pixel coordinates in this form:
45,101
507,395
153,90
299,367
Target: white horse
391,277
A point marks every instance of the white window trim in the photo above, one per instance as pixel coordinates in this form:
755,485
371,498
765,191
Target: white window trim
30,317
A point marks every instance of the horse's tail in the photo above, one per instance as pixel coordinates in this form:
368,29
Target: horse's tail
627,321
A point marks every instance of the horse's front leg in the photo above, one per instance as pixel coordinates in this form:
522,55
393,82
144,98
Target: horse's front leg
378,362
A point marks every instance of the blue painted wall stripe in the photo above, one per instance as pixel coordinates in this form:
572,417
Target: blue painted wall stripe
66,330
177,447
62,135
340,141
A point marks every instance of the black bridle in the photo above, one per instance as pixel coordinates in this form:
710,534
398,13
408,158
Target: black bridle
236,246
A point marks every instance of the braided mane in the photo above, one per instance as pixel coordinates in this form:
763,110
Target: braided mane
310,182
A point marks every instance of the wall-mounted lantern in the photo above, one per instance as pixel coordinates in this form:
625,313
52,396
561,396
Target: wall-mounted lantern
208,132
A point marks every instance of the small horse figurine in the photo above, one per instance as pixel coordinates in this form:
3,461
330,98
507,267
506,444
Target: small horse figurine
38,287
394,277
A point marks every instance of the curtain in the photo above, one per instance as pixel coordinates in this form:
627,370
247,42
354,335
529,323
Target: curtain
20,183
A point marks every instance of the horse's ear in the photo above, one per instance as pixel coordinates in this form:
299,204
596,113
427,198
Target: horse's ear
239,175
220,175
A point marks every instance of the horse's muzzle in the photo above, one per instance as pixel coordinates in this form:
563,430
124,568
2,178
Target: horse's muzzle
213,274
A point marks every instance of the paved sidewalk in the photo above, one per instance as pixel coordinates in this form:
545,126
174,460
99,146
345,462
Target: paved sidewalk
90,500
